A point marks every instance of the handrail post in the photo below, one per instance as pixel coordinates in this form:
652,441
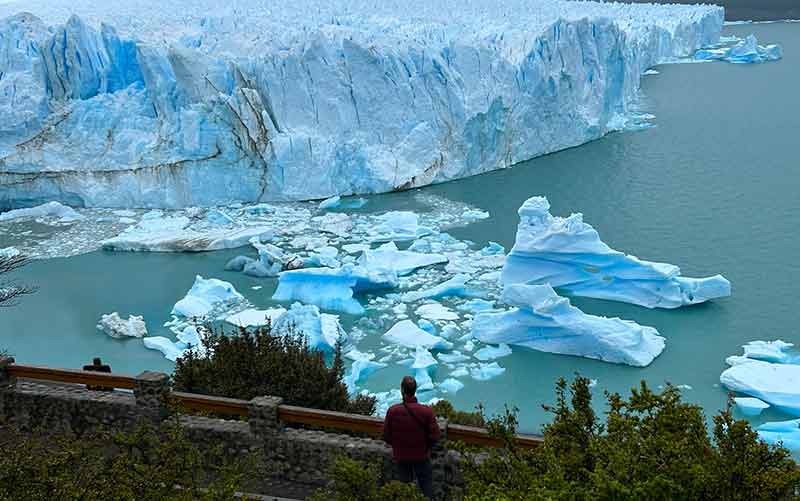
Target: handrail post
152,392
264,417
439,461
6,379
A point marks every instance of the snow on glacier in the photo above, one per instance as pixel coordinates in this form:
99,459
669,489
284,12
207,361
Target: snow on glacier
546,322
568,254
200,103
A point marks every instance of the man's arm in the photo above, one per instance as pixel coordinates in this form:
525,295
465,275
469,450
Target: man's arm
387,428
433,430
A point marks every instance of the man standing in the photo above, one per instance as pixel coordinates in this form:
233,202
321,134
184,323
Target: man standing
411,429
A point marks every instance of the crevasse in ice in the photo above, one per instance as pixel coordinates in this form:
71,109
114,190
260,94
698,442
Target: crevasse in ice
201,102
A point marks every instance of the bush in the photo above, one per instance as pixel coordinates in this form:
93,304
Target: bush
147,464
445,409
352,480
653,446
250,364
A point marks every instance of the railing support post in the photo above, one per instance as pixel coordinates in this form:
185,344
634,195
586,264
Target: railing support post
152,392
264,418
439,461
6,379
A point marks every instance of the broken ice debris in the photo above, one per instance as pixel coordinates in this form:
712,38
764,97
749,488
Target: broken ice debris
359,371
398,226
50,209
406,333
436,311
569,255
387,256
546,322
455,286
492,352
485,372
745,51
115,326
322,330
451,385
204,296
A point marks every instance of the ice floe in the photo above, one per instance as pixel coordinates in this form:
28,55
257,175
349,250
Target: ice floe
492,352
750,406
775,384
546,322
50,209
168,348
569,255
322,330
436,311
117,327
253,317
204,296
743,52
406,333
485,372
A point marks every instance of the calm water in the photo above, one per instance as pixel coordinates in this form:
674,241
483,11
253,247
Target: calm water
713,188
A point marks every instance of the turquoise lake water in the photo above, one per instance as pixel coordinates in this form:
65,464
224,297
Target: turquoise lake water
712,188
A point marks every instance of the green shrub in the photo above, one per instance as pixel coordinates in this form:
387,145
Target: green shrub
255,363
352,480
147,464
652,446
445,409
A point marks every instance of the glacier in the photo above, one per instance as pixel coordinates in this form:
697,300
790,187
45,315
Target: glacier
202,103
546,322
568,254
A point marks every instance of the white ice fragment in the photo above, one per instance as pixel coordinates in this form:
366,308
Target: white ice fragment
331,203
436,311
50,209
398,226
9,252
569,255
168,348
387,256
460,372
452,358
359,371
455,286
252,317
424,360
204,296
451,385
115,326
406,333
485,372
776,384
492,352
768,351
355,248
651,72
321,330
546,322
750,406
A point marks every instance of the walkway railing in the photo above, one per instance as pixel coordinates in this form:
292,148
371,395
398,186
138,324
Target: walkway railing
290,414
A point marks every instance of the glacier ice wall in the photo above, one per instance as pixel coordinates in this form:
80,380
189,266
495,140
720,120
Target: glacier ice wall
192,102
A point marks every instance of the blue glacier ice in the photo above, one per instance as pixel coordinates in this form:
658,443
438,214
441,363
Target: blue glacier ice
201,102
546,322
787,433
569,255
361,369
169,349
451,385
492,352
744,52
775,382
455,286
485,372
402,262
204,296
406,333
750,406
321,330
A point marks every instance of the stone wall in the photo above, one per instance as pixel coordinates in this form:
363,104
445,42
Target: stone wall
297,459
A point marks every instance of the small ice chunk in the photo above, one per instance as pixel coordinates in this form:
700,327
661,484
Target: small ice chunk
113,325
168,348
322,330
768,351
331,203
427,326
452,358
406,333
460,372
424,381
253,317
485,372
355,248
492,352
359,371
424,360
398,226
493,249
50,209
750,406
477,306
436,311
354,354
335,223
455,286
451,385
651,71
204,296
402,262
124,213
258,270
238,263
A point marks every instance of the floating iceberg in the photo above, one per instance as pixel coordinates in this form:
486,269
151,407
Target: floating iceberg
455,286
569,255
423,360
387,256
173,234
769,351
406,333
787,433
113,325
50,209
198,102
746,51
321,330
546,322
169,349
204,296
492,352
485,372
451,385
252,317
750,406
331,203
398,226
775,384
359,371
436,311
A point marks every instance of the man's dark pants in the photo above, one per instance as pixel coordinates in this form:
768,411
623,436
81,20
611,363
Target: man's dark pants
419,470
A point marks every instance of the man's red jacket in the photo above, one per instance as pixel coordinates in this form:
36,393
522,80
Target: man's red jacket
410,438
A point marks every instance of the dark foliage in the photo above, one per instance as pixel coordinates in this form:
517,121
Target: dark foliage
248,364
445,409
652,446
10,291
353,480
148,464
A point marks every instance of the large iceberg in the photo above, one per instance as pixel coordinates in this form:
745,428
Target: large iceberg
546,322
569,255
774,383
201,102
